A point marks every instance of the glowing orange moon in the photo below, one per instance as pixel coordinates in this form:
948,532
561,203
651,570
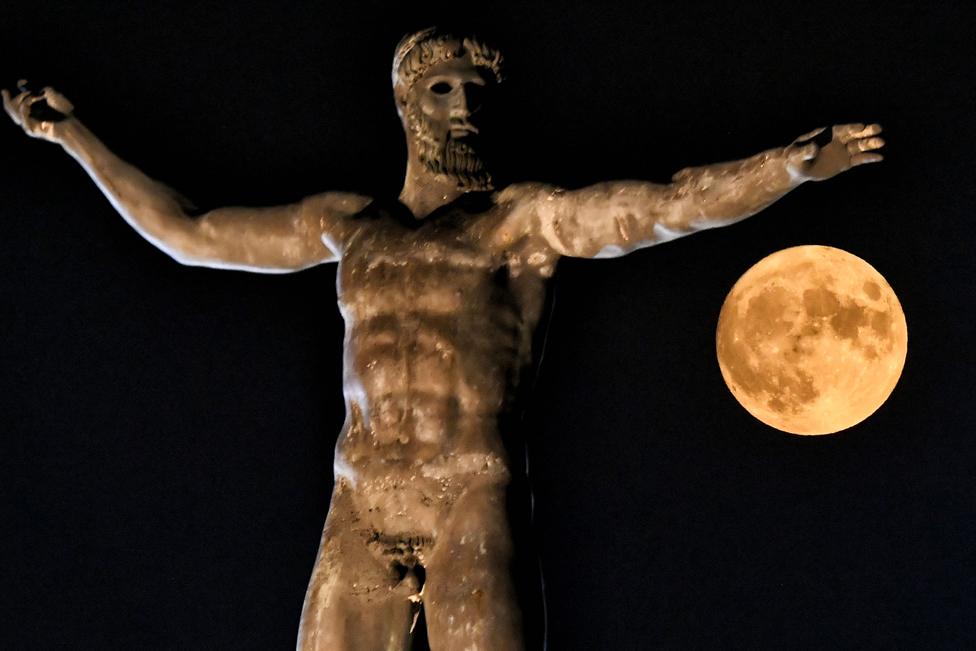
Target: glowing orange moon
811,340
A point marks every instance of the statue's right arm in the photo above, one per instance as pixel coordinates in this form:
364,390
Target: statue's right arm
269,240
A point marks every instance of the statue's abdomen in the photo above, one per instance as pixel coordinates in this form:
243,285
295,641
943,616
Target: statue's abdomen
432,357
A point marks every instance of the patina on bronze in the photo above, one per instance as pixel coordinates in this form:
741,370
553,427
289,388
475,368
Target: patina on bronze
441,294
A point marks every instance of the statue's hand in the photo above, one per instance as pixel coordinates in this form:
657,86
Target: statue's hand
818,155
39,113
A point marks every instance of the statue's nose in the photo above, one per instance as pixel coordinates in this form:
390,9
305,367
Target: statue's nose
467,100
459,107
473,96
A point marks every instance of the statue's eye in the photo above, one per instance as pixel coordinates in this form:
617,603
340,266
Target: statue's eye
441,88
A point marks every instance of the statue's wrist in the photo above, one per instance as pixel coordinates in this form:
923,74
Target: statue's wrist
795,167
65,131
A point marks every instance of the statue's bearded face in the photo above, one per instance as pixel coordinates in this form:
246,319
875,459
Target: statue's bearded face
441,115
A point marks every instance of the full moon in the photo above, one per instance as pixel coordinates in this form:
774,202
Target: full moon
811,340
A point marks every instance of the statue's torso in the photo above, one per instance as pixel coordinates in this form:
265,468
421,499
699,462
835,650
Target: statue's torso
440,316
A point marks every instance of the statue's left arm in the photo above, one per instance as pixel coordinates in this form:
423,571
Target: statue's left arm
614,218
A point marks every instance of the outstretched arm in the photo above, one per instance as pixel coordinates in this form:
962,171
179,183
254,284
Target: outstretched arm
269,240
614,218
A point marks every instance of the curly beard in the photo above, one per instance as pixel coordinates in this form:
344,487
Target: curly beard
447,156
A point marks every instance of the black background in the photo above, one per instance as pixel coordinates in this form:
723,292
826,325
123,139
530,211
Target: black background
167,432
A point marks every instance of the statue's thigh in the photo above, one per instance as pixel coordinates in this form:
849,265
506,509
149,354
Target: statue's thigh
355,600
469,600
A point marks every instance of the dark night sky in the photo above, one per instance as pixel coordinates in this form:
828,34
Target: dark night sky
167,432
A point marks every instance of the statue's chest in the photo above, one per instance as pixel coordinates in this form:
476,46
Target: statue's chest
460,263
443,247
399,264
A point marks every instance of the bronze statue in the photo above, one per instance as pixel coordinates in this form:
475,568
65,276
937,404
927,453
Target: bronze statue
441,293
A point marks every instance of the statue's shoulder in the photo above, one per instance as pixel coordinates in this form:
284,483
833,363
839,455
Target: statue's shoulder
526,192
523,203
518,230
336,204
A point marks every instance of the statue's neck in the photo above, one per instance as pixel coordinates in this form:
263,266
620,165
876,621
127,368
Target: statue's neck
424,192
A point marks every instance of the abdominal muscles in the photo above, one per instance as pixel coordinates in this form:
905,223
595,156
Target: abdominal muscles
427,379
429,393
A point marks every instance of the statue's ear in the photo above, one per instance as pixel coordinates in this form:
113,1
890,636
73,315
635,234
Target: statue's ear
400,97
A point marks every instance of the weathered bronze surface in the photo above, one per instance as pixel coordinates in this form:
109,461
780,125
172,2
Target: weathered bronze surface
441,293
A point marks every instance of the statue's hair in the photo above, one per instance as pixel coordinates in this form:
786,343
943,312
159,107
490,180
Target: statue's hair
417,52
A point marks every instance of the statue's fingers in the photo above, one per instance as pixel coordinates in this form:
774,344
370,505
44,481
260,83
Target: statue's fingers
870,130
22,103
17,107
57,101
861,159
864,144
27,105
844,132
8,106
